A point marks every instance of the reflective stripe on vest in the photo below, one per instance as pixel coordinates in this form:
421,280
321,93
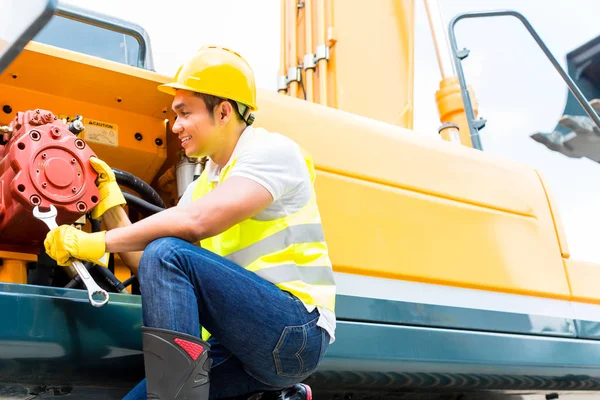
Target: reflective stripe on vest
291,272
289,252
278,241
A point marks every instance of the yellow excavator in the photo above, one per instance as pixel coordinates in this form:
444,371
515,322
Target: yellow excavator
453,270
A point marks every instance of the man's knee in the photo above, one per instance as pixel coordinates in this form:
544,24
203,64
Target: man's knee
157,252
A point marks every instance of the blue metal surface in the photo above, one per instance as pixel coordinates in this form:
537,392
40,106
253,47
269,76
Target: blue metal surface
403,357
399,312
54,336
588,329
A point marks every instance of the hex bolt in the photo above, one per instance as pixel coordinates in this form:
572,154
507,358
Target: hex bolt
80,144
35,135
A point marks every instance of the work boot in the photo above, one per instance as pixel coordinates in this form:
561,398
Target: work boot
177,365
299,391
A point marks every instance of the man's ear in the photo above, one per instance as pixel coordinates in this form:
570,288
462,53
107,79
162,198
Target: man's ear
225,112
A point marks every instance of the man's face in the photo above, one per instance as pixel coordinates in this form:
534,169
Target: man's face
194,127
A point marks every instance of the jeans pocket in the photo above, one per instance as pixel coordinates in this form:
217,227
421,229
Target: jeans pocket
299,350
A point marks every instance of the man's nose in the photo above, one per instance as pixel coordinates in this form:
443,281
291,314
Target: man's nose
177,128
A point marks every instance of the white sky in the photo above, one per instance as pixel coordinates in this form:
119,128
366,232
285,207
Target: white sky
518,90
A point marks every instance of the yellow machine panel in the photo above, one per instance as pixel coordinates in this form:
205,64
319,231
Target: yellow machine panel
583,278
399,206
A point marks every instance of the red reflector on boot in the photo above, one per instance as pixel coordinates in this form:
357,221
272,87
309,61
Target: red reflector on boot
193,349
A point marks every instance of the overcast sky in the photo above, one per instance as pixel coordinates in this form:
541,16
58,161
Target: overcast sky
518,90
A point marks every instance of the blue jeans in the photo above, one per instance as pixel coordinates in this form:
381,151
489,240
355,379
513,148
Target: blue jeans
262,339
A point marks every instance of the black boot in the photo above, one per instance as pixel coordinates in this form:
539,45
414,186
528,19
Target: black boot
177,365
299,391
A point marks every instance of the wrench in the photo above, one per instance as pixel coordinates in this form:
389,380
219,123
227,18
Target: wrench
49,218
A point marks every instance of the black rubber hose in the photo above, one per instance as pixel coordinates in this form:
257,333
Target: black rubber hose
105,275
95,224
110,278
145,191
129,280
138,203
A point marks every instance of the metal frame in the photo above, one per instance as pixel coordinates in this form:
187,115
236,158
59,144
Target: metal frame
37,25
103,21
459,55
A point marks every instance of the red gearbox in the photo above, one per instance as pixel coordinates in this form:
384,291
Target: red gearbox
43,163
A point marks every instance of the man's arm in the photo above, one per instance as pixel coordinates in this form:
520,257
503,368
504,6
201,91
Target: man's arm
116,218
231,202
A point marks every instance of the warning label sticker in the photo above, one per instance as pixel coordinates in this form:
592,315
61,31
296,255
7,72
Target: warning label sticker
101,132
98,131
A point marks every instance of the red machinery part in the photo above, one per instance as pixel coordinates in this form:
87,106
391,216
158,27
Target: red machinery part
43,163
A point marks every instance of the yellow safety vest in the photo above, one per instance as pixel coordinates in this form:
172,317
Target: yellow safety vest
289,252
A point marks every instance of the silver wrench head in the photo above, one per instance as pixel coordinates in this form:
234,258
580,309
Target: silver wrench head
49,218
98,303
45,215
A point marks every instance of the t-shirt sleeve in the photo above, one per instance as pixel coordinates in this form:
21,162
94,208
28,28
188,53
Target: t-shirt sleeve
277,165
186,198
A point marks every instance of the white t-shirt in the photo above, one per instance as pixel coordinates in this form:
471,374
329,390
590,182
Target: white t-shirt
275,162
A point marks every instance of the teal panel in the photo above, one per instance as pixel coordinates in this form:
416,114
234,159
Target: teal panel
398,312
53,335
405,357
588,329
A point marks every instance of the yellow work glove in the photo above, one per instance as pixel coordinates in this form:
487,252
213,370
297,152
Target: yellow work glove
110,192
66,243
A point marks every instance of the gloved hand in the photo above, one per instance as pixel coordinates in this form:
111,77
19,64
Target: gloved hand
110,192
66,243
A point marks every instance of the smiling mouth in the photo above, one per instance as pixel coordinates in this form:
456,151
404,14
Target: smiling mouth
185,139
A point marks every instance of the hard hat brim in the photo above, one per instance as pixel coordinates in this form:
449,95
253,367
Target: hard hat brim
170,88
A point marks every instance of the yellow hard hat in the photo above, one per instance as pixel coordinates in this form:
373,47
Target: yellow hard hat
217,71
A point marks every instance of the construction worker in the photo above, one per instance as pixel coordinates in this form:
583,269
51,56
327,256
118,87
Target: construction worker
237,287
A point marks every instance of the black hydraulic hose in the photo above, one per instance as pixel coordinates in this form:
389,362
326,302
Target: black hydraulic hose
105,275
138,203
129,280
110,278
132,182
95,225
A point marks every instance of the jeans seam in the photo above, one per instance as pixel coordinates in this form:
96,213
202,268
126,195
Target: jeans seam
277,346
299,352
